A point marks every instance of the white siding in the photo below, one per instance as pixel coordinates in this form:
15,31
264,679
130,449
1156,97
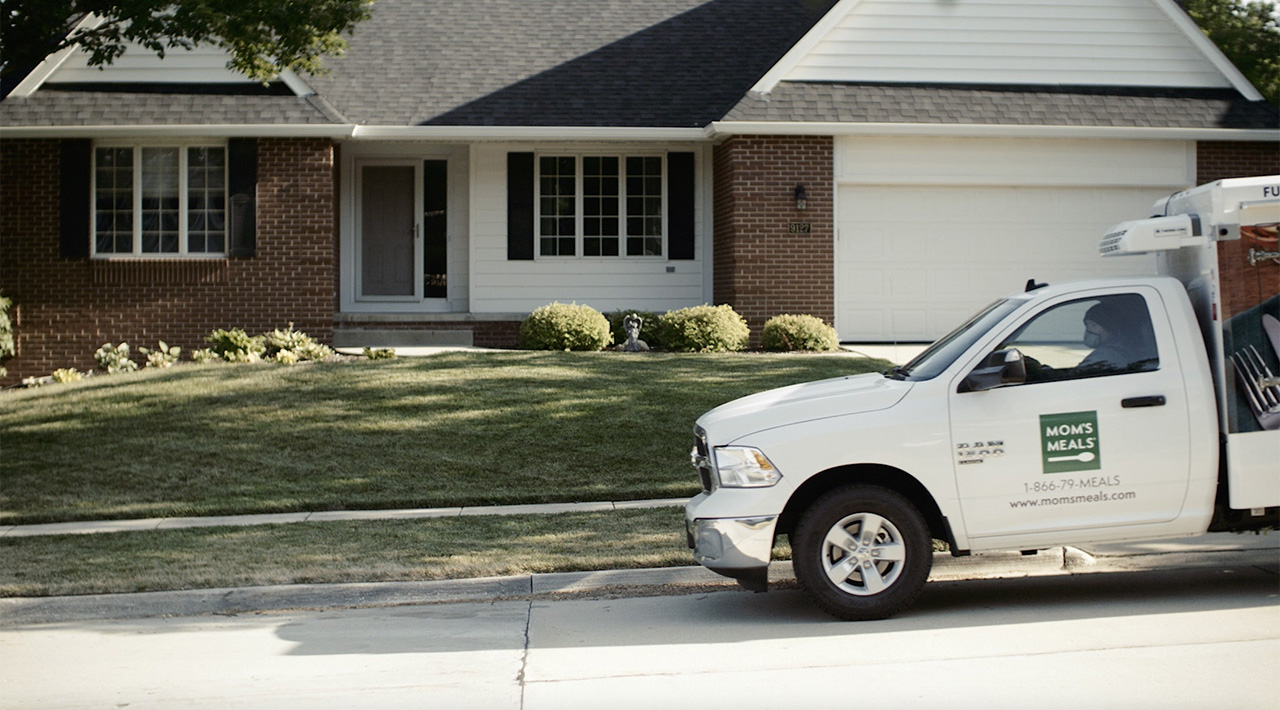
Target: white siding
1073,42
930,230
606,284
205,64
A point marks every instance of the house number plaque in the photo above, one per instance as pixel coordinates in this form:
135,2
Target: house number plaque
799,228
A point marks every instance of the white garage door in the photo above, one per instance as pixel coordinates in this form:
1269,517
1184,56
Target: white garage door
932,229
914,262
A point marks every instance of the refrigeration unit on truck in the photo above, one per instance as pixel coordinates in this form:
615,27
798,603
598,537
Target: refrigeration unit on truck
1095,411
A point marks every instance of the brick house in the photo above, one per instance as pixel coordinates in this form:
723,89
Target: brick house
465,163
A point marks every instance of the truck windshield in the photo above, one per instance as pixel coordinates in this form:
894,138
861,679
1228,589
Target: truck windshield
939,356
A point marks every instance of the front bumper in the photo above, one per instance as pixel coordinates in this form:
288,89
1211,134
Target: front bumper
734,547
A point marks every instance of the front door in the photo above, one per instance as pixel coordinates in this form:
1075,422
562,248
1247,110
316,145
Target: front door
1096,437
388,232
403,220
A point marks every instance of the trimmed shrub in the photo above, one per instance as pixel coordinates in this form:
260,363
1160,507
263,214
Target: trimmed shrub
563,326
791,332
380,353
703,329
114,358
648,331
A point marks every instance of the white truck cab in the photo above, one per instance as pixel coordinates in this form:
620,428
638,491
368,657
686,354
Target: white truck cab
1104,410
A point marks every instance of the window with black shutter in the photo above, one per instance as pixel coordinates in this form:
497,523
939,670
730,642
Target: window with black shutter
589,205
164,199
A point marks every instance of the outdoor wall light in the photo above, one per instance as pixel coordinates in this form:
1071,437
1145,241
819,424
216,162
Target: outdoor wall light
802,200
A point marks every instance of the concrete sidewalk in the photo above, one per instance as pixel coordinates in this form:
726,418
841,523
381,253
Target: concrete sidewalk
1216,550
90,527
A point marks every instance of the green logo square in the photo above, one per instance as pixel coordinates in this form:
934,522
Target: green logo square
1070,442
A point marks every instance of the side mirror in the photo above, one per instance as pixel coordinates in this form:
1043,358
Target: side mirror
1002,367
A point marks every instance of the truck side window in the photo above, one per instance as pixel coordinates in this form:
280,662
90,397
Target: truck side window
1092,337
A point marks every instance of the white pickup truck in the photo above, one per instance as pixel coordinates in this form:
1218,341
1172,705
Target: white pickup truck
1093,411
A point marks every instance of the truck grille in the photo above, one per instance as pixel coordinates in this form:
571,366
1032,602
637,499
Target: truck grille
701,458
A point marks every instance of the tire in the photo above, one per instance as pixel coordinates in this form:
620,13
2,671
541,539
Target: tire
855,579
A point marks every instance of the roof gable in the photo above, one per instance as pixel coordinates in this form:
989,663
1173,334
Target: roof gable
1130,43
205,64
201,66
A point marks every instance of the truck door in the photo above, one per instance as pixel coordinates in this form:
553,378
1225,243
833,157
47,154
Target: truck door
1097,435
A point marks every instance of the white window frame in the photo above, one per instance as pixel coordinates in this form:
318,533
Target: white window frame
183,146
579,198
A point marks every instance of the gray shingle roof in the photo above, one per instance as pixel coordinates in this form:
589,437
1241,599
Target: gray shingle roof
644,63
97,108
1006,105
615,63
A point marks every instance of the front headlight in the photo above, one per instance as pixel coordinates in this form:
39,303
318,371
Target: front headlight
745,467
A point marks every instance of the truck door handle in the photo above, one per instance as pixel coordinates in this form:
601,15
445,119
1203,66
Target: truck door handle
1155,400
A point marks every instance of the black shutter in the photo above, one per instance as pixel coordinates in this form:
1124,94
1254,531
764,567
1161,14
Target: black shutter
681,186
242,183
75,204
520,206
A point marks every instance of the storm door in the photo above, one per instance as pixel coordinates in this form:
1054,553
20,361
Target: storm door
389,232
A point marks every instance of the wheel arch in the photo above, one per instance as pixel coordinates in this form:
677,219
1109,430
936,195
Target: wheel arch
894,479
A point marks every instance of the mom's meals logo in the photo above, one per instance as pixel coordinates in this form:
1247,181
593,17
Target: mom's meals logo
1070,442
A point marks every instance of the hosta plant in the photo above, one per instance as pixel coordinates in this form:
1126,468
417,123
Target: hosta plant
161,356
114,359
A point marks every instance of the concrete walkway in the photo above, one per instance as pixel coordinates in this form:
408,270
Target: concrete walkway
108,526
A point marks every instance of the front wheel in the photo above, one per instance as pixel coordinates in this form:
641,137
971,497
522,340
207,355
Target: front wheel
862,552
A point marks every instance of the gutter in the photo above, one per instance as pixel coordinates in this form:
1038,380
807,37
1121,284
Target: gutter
724,129
354,132
524,133
325,130
713,131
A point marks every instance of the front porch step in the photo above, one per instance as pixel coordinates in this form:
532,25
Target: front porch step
396,338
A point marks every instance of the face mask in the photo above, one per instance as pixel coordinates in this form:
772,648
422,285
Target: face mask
1091,339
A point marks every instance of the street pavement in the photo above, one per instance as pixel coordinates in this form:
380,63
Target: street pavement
1179,624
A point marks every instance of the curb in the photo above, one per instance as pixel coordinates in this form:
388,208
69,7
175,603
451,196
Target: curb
232,601
1199,552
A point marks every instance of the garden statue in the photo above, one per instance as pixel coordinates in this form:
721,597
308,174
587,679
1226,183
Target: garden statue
631,323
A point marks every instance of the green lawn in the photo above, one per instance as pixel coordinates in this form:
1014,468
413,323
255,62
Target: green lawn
447,430
364,551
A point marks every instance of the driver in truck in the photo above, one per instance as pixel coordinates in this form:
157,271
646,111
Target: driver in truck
1116,330
1114,335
